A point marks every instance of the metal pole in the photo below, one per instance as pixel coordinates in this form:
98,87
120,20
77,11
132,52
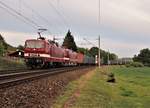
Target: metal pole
108,58
99,12
99,53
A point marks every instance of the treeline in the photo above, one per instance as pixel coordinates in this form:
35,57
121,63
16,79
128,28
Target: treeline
105,56
5,47
70,44
143,57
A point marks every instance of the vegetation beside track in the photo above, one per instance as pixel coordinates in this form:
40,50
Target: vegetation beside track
131,90
6,64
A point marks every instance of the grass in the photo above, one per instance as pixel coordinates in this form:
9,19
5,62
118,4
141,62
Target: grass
6,64
131,89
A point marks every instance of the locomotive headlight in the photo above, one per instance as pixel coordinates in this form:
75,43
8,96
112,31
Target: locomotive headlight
26,54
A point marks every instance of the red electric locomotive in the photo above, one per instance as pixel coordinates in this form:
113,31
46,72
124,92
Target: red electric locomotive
43,53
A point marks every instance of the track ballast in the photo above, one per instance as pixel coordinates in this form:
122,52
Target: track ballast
12,79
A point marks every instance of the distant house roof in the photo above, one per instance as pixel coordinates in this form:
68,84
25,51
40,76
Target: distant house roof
18,53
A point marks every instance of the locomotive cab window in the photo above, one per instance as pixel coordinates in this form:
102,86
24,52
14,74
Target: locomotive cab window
34,44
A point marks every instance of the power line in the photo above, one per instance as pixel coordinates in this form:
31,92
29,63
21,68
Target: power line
19,14
89,42
99,12
59,13
24,21
39,16
64,15
64,18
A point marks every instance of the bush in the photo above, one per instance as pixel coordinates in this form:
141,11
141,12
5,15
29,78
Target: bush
111,78
147,64
134,64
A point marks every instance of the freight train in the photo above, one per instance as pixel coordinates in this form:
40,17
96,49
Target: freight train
42,53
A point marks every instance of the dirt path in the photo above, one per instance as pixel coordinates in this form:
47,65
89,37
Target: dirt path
82,82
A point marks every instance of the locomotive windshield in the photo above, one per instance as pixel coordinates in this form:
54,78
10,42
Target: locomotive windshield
34,44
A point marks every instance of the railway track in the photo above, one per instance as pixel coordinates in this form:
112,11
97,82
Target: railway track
19,77
12,71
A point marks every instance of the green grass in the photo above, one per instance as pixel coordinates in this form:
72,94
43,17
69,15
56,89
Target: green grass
6,64
133,86
95,94
131,90
66,95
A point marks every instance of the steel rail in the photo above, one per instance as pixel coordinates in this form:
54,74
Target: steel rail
12,71
15,78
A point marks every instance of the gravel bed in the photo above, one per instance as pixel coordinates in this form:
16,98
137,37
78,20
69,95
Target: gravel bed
39,93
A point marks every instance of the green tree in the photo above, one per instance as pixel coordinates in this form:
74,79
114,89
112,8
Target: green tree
2,50
94,51
143,57
104,55
1,38
2,47
20,47
84,51
81,50
113,56
69,42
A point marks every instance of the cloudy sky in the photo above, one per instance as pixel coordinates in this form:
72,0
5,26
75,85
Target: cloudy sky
124,25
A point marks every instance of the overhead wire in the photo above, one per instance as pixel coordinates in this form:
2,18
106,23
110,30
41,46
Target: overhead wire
29,21
89,42
19,18
64,16
47,22
66,19
59,13
19,14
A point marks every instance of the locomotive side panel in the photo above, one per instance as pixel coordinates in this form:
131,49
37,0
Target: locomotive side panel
73,56
56,52
80,58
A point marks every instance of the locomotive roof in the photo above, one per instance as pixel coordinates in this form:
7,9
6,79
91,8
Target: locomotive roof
36,40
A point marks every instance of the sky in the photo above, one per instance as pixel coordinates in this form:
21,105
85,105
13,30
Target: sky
124,25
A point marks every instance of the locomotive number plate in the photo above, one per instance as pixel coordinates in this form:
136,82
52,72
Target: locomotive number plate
33,55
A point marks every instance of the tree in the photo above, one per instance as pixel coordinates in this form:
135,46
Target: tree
1,38
81,50
104,55
84,51
113,56
69,42
20,47
5,45
143,57
2,46
94,51
2,50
